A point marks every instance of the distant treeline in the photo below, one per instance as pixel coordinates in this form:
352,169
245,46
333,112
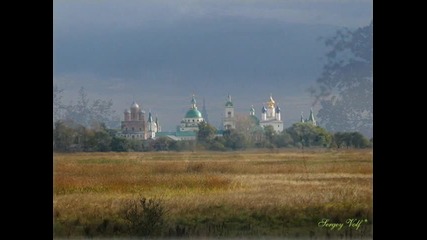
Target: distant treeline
69,136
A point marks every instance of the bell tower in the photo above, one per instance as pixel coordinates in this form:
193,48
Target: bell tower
229,121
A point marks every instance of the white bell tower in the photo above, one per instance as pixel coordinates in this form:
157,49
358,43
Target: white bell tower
229,121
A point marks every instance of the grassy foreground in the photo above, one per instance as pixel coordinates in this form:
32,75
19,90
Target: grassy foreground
288,194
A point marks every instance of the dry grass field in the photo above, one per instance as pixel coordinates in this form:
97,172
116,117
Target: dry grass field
216,194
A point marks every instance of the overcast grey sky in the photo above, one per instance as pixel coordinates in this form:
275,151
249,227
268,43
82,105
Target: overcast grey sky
161,52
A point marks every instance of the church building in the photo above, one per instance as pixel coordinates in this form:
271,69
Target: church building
229,120
270,115
189,126
133,126
191,119
310,118
152,126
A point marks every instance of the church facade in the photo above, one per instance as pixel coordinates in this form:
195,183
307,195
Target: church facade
134,126
192,118
271,115
310,118
229,120
187,130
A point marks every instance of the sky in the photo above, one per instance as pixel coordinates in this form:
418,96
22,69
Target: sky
159,53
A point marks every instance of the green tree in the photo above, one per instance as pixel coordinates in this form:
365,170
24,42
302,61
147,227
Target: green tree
102,141
218,144
340,139
269,133
164,144
206,133
359,141
308,135
283,139
351,139
185,145
235,140
135,145
119,144
63,137
345,88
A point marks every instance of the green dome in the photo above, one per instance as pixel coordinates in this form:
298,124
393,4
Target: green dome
228,104
193,113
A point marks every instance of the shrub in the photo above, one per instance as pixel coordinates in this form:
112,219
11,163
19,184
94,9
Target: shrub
145,217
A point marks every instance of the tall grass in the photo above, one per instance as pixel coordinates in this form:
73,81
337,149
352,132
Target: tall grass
214,194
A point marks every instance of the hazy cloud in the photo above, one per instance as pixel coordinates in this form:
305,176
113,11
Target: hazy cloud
159,52
115,14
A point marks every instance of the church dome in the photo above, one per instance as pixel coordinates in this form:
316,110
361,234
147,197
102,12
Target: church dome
263,110
127,111
134,105
229,103
271,103
193,113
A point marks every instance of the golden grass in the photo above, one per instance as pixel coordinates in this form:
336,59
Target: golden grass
94,185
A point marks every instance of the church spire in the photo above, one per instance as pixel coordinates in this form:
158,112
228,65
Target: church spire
229,103
193,102
150,117
205,112
252,111
159,129
311,117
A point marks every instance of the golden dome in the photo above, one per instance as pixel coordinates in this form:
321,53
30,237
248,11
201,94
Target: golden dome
271,102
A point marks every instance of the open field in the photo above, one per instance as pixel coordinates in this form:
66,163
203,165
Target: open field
216,194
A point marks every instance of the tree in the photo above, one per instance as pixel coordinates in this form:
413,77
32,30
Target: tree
345,88
307,135
87,113
250,128
206,133
70,136
217,144
340,139
351,139
58,106
119,144
269,133
63,137
102,141
235,140
283,139
164,144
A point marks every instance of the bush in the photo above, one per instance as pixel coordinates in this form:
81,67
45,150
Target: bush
145,217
